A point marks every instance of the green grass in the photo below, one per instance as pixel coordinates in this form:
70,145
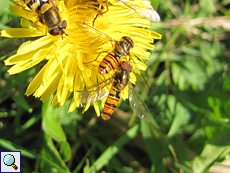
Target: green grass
188,73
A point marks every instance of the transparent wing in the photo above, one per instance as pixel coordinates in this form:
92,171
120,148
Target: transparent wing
96,92
138,105
143,8
141,82
93,34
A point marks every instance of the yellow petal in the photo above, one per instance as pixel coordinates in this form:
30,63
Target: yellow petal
43,42
72,106
97,109
25,13
35,83
125,93
54,80
21,33
86,107
49,90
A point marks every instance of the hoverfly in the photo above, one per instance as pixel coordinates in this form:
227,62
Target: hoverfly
141,7
116,83
46,12
112,59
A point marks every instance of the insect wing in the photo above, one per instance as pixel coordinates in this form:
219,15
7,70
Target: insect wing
143,8
93,34
96,92
138,105
141,82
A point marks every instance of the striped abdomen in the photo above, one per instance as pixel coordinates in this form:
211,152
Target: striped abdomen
110,61
34,5
111,103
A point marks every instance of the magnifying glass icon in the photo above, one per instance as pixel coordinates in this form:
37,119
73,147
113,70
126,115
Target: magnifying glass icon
9,160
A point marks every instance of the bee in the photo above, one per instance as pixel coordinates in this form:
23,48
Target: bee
112,88
141,7
46,12
112,59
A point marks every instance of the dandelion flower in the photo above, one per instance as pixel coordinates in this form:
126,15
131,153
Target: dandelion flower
66,70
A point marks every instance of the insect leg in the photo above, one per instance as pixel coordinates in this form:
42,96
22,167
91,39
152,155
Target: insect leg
95,58
100,9
35,23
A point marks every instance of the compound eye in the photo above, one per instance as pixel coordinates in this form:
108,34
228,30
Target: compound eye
63,24
54,31
129,40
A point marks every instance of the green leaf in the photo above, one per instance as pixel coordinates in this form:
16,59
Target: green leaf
212,151
28,124
84,159
4,10
29,154
204,161
50,124
182,117
65,150
21,101
87,167
95,141
113,149
154,151
49,151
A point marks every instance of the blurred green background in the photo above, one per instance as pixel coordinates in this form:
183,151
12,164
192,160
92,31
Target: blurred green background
188,73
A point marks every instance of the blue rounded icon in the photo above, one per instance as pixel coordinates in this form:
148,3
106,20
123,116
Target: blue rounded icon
8,159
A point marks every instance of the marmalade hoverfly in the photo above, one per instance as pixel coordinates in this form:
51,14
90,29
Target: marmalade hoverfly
112,59
116,84
46,12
